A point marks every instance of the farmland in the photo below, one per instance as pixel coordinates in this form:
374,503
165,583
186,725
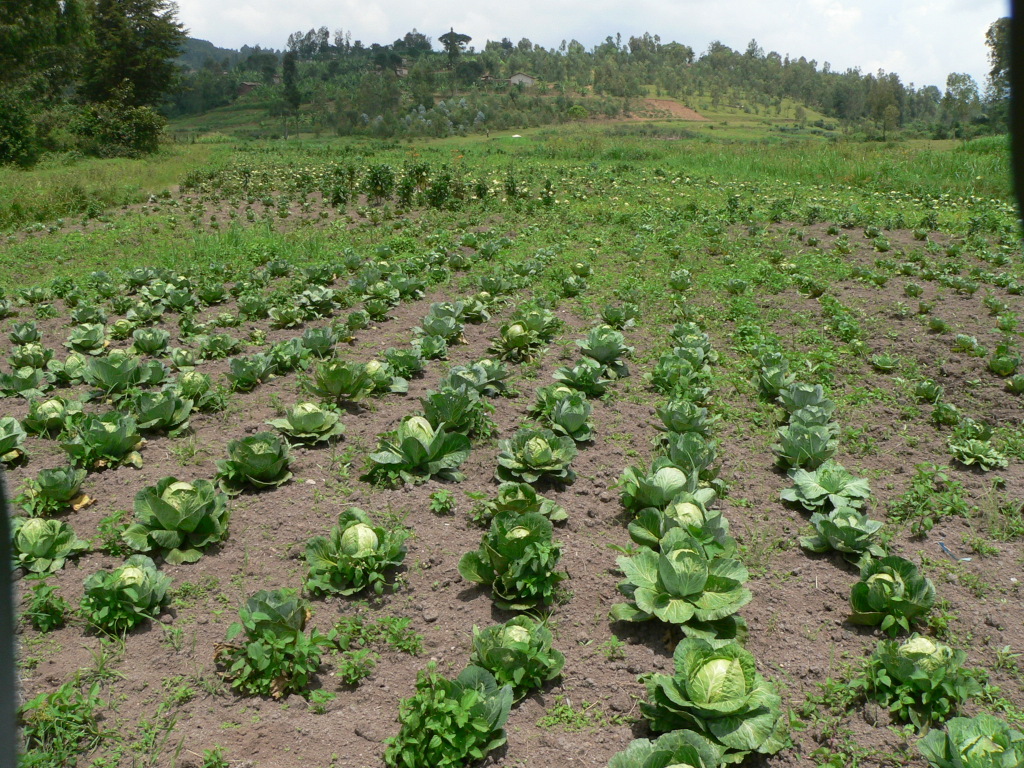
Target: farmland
543,369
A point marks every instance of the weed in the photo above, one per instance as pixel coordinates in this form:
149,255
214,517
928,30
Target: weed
564,715
442,502
613,649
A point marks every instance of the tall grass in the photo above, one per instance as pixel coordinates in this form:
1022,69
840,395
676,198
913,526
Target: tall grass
63,186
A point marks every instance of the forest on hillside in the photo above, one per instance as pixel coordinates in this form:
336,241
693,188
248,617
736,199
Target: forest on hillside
407,87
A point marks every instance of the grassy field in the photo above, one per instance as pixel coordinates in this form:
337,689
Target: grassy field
755,306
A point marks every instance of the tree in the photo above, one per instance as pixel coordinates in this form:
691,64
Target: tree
998,41
132,51
454,43
961,98
40,45
290,77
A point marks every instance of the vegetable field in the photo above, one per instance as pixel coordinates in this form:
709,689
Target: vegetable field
580,449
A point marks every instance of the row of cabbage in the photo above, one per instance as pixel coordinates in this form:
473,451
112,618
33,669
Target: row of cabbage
921,681
715,708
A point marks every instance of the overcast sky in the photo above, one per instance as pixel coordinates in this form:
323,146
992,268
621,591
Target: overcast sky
921,40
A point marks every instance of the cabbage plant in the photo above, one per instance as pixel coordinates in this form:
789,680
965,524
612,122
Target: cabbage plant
24,333
586,376
607,347
161,411
88,339
105,441
259,460
69,372
119,600
405,363
920,680
531,454
804,447
458,410
681,415
718,693
52,491
309,423
515,342
28,383
385,379
177,519
116,373
520,499
892,593
290,355
689,584
677,749
416,451
517,559
247,373
844,530
355,556
43,546
12,437
656,487
150,341
827,488
517,653
977,453
50,417
983,741
340,381
689,512
487,376
31,356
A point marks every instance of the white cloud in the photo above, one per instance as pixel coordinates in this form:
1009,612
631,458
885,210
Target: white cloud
922,41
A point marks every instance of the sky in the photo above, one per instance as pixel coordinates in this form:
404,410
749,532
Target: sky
921,40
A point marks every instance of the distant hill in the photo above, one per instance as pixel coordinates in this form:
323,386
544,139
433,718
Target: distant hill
195,53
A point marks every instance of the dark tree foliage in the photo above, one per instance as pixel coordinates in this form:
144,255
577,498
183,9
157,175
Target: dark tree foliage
40,45
290,76
132,51
454,43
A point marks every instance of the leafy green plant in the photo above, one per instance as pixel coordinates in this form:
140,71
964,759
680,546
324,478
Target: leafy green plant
829,487
688,583
517,653
891,594
309,423
920,680
355,556
259,460
274,656
449,723
517,558
46,610
982,741
678,748
415,452
976,453
117,601
61,725
149,341
718,693
105,441
31,356
689,512
247,373
531,454
43,546
178,519
442,502
931,496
